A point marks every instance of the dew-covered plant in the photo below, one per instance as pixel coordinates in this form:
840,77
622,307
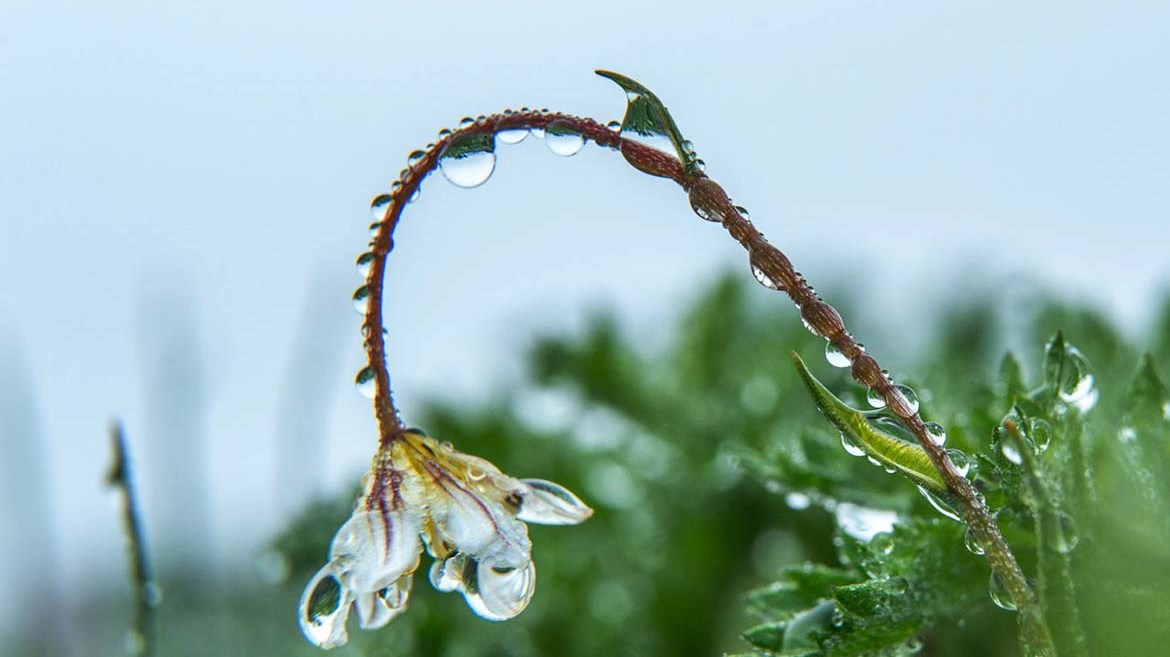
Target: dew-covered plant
1036,483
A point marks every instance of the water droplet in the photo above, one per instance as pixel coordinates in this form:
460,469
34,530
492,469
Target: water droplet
688,146
1067,538
875,399
700,165
361,299
447,447
743,212
1010,452
444,133
960,460
324,607
366,382
414,195
1041,433
616,126
863,523
469,162
972,543
797,501
936,433
851,446
562,139
1077,386
999,594
835,356
538,133
363,264
135,643
512,136
475,474
939,504
910,396
466,122
379,205
762,278
152,593
414,158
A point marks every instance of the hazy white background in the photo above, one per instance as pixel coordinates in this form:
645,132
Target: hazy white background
183,187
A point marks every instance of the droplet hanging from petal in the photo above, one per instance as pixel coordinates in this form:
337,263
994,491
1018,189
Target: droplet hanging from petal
500,593
324,608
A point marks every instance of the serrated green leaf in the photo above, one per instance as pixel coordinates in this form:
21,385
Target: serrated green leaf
648,118
1011,376
906,458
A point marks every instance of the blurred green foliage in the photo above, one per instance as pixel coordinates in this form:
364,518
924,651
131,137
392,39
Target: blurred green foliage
716,484
713,475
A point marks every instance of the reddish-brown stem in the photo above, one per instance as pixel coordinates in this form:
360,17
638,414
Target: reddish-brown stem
708,197
389,423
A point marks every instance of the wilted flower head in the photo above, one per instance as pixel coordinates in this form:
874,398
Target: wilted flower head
466,513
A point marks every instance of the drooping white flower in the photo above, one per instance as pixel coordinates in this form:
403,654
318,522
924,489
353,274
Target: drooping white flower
468,515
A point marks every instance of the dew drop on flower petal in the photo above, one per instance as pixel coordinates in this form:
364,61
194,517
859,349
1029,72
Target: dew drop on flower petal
374,548
323,609
562,139
469,161
547,503
501,592
366,382
835,356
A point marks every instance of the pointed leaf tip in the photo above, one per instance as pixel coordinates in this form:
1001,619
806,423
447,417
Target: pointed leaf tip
649,122
905,457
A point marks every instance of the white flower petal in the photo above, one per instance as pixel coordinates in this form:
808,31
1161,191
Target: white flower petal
547,503
479,527
447,575
375,610
324,607
373,549
500,593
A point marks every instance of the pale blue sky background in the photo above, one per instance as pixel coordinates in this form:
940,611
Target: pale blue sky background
210,164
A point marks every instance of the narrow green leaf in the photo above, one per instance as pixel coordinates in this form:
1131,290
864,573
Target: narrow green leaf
906,458
647,120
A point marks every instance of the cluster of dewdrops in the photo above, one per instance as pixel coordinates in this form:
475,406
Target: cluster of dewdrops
465,163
